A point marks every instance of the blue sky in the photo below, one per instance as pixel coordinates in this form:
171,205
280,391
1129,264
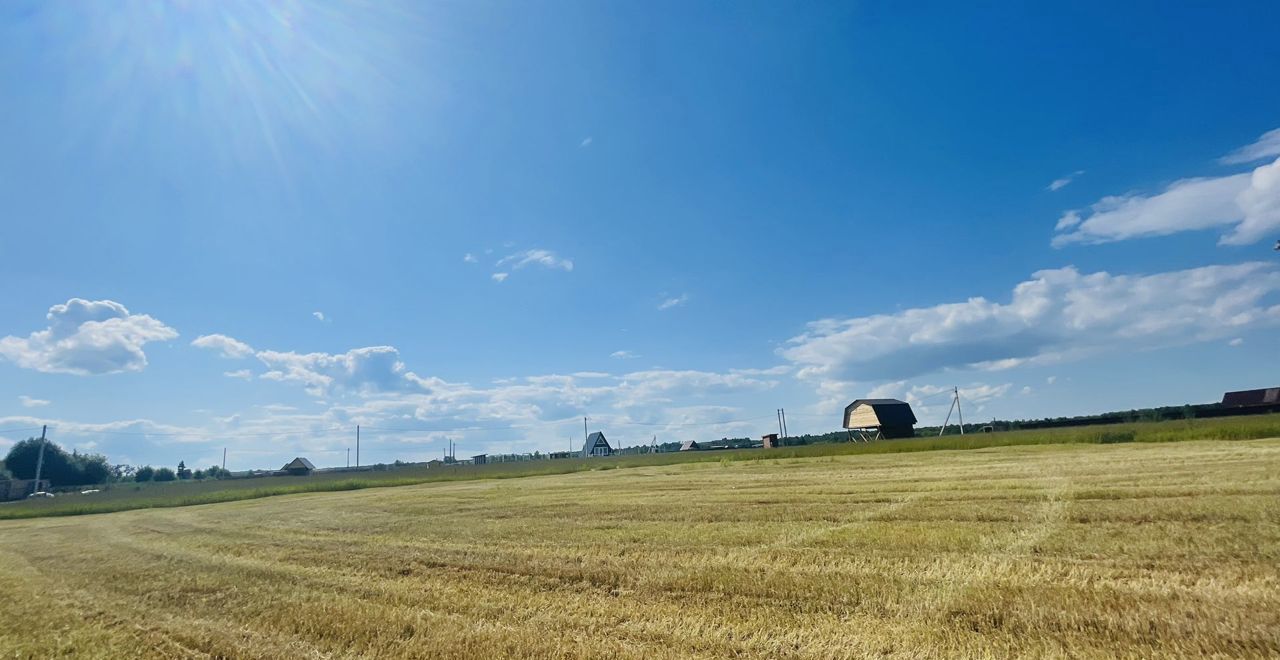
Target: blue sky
255,226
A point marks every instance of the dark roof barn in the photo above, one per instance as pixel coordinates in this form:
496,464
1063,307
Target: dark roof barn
298,465
890,417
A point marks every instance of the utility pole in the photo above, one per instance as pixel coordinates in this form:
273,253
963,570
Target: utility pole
584,429
348,457
778,412
955,407
224,458
785,433
40,456
357,445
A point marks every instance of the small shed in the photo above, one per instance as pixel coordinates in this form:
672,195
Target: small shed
596,445
887,418
479,459
770,441
299,466
690,445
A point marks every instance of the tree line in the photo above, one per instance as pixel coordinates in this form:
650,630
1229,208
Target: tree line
63,469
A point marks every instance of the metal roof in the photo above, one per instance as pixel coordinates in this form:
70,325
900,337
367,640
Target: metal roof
891,412
298,463
1262,397
593,441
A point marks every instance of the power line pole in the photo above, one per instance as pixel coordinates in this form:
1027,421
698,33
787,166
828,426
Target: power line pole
40,456
778,412
954,407
584,429
357,445
785,433
348,457
224,458
946,421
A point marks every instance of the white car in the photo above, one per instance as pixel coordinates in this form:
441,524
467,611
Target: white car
40,493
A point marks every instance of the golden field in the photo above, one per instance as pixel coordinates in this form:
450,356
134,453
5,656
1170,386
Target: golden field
1121,550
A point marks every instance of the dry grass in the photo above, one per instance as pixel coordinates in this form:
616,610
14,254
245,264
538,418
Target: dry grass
1127,550
128,496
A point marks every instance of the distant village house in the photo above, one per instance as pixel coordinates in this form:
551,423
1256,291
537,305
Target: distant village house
299,467
596,445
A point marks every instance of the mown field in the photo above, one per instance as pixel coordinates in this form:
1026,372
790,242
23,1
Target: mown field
1085,550
127,496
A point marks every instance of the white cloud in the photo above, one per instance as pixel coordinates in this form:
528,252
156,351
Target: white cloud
1261,205
1026,389
406,416
29,402
536,257
1186,205
779,370
227,347
87,337
586,142
1247,203
499,277
369,369
677,301
1058,314
361,370
319,315
140,427
1059,184
1236,342
1051,380
924,396
623,355
1267,146
469,258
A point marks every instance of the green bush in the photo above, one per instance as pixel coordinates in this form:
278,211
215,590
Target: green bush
59,467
